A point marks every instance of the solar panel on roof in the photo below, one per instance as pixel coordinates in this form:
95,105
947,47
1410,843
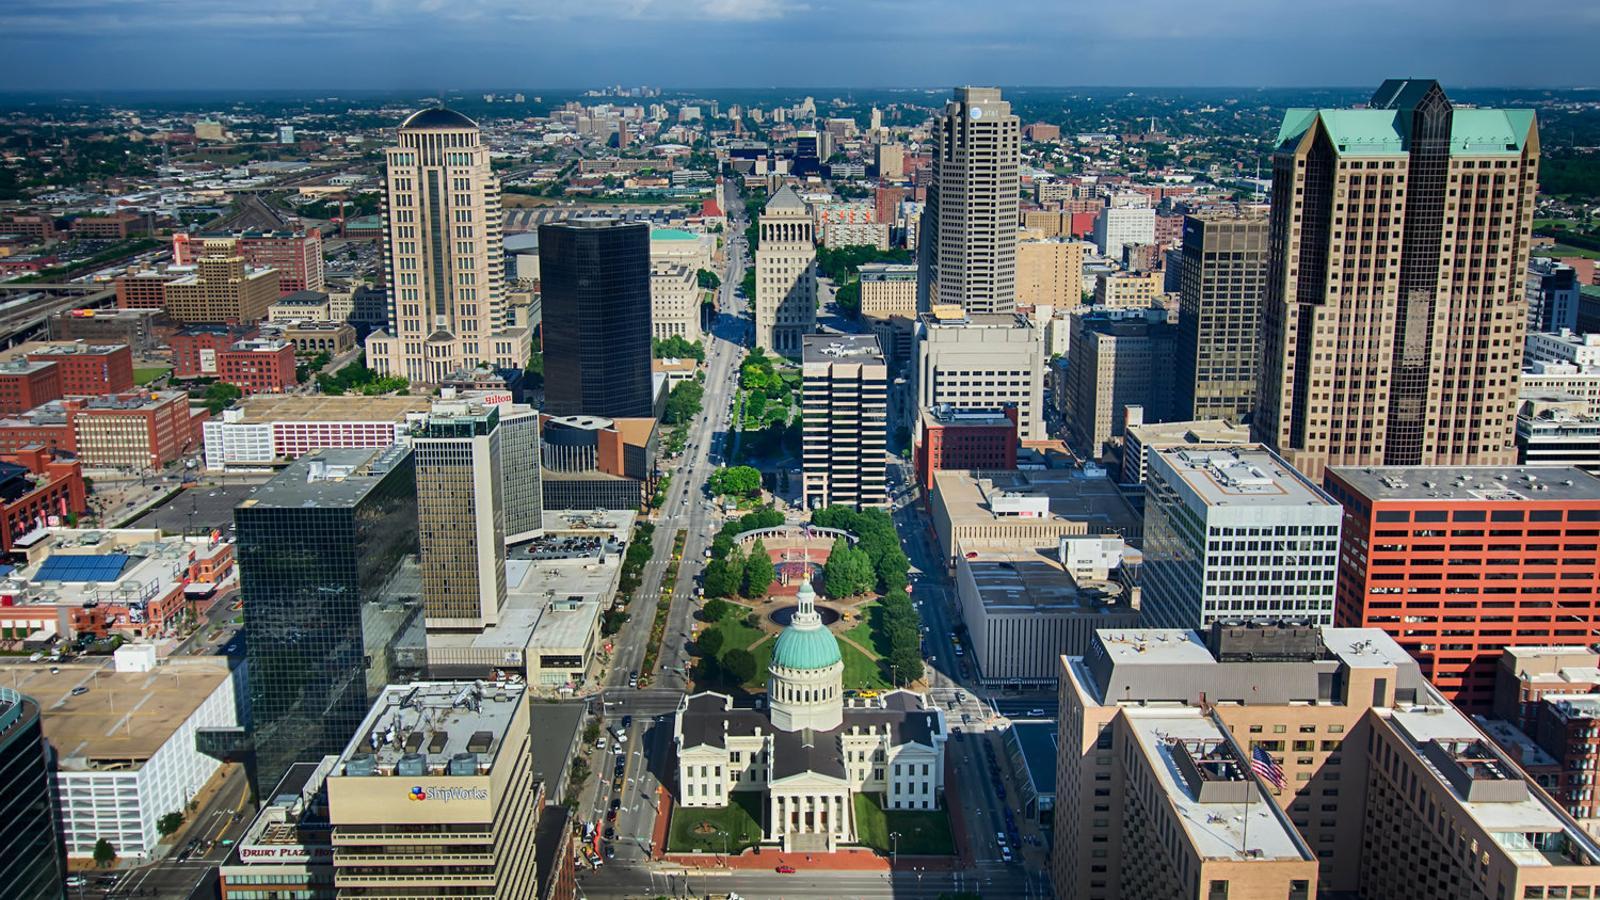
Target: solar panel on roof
82,567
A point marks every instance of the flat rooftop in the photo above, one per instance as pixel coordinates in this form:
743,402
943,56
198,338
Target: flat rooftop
1198,431
1028,582
61,348
331,477
829,348
429,724
124,717
1038,741
1240,476
333,409
1217,830
1072,496
1508,484
952,417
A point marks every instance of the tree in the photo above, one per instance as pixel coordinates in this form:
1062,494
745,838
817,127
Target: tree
220,395
848,298
535,370
169,823
715,609
676,347
906,665
709,642
736,481
740,664
724,574
105,854
683,403
591,732
758,571
707,279
848,571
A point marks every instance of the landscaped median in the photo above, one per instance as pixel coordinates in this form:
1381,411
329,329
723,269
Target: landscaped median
922,832
658,627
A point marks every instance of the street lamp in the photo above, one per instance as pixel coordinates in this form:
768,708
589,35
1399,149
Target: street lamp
894,848
724,836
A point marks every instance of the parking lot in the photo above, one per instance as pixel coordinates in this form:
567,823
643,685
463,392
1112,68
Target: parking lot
197,510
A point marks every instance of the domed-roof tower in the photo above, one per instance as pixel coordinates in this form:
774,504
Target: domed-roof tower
805,683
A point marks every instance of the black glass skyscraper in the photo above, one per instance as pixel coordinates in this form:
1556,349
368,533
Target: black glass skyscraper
595,281
30,846
324,550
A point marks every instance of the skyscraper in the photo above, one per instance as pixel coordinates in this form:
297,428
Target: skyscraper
519,471
1395,306
969,226
321,548
846,420
32,865
1224,272
595,276
461,520
786,275
443,255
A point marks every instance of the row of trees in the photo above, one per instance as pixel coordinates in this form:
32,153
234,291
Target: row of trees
899,629
357,378
735,573
878,541
677,347
736,481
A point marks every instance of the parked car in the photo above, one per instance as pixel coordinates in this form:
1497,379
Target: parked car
785,870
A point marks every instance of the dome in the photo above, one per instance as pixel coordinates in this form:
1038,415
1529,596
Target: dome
806,643
437,117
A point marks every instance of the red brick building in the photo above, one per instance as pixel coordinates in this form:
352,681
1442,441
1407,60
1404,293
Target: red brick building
34,487
114,227
143,290
40,229
296,255
965,439
25,384
135,431
197,349
87,370
1459,563
258,366
885,201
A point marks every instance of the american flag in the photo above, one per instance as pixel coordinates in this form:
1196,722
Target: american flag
1261,762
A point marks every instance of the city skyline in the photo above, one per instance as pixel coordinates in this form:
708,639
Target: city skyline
308,44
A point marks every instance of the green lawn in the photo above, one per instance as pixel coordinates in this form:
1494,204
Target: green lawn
740,820
922,832
861,671
763,655
143,376
1565,250
735,633
862,632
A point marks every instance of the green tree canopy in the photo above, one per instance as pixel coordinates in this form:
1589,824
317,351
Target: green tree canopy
169,823
848,571
715,609
758,571
708,279
709,642
737,481
683,403
105,854
740,664
676,347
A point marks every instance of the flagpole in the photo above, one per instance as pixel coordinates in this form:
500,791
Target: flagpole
1244,840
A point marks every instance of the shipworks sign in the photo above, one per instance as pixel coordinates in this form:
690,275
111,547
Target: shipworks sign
439,794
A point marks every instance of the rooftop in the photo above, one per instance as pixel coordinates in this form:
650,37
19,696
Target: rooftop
258,408
1070,495
829,348
332,477
1508,484
1200,431
437,117
1022,582
125,717
433,727
1251,476
951,417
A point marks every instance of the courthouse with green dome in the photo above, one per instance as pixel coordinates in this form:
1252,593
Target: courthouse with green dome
811,750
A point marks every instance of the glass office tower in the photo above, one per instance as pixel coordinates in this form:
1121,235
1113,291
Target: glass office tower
325,550
31,864
595,278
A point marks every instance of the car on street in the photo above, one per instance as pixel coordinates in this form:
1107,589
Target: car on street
609,851
785,870
610,833
79,691
627,721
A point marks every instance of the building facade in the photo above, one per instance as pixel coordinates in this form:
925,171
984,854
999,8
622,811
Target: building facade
1050,273
786,275
1422,544
1415,325
964,439
461,516
845,410
443,255
1118,227
1553,292
1114,364
888,289
968,236
221,286
982,362
595,278
674,302
33,867
1236,534
1219,314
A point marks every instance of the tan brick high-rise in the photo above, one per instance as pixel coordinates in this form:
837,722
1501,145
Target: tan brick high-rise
786,275
1394,312
969,227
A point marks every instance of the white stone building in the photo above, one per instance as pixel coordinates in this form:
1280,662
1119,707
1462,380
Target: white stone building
786,275
814,749
674,301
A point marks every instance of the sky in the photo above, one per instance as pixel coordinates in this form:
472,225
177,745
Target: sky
431,45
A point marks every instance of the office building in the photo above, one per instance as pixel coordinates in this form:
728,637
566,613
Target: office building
1545,716
1139,440
115,783
220,286
437,761
786,275
812,751
443,255
263,431
38,488
967,439
1558,432
32,867
845,419
1050,272
1129,290
312,338
319,547
140,329
85,370
1377,787
1564,347
25,384
1236,534
982,361
1553,292
520,483
144,289
674,302
888,289
1544,380
1118,227
461,515
1024,611
1025,509
288,847
1423,543
596,294
1224,273
295,255
1113,364
969,231
137,431
594,463
1405,372
301,306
